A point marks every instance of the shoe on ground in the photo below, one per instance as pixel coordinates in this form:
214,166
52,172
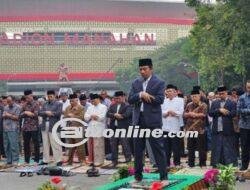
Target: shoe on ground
243,168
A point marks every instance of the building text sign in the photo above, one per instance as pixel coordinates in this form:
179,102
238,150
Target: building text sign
76,38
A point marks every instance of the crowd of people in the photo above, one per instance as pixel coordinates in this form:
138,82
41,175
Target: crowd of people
222,119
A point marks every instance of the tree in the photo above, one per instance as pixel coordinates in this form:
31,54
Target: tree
169,63
220,40
218,49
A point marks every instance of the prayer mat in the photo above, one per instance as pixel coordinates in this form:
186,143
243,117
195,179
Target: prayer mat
177,182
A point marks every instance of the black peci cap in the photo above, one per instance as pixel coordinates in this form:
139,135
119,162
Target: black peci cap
145,62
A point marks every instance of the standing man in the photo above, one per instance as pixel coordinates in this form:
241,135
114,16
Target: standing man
75,110
11,115
84,102
223,138
105,99
172,110
64,99
51,113
147,95
2,105
96,118
195,114
243,109
211,98
119,114
29,115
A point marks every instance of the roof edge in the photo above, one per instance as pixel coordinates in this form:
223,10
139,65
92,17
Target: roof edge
127,19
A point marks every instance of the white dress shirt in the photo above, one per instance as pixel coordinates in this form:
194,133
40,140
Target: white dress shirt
172,123
96,126
181,116
144,86
65,104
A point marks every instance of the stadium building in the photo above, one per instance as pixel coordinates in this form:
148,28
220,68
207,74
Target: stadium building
92,38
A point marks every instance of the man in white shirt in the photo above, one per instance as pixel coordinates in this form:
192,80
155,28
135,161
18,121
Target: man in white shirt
172,110
64,99
96,117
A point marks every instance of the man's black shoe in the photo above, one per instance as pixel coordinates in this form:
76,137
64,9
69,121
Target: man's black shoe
243,168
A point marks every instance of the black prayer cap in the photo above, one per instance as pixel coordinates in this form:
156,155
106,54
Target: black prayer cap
27,92
51,92
170,86
82,97
196,88
221,88
145,62
73,96
119,93
94,96
195,92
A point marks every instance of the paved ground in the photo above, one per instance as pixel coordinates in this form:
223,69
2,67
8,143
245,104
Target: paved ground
12,181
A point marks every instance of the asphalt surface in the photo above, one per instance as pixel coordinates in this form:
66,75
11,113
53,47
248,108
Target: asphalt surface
12,181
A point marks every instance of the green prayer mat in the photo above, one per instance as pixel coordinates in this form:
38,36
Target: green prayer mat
177,182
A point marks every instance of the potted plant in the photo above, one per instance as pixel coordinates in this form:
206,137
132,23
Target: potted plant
222,178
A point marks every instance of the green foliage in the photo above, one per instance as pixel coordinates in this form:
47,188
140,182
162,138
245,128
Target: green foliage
122,172
125,76
47,186
169,64
226,178
218,48
220,39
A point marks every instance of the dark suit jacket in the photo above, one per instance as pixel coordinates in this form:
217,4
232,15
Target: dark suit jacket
1,118
227,121
56,108
125,110
152,111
